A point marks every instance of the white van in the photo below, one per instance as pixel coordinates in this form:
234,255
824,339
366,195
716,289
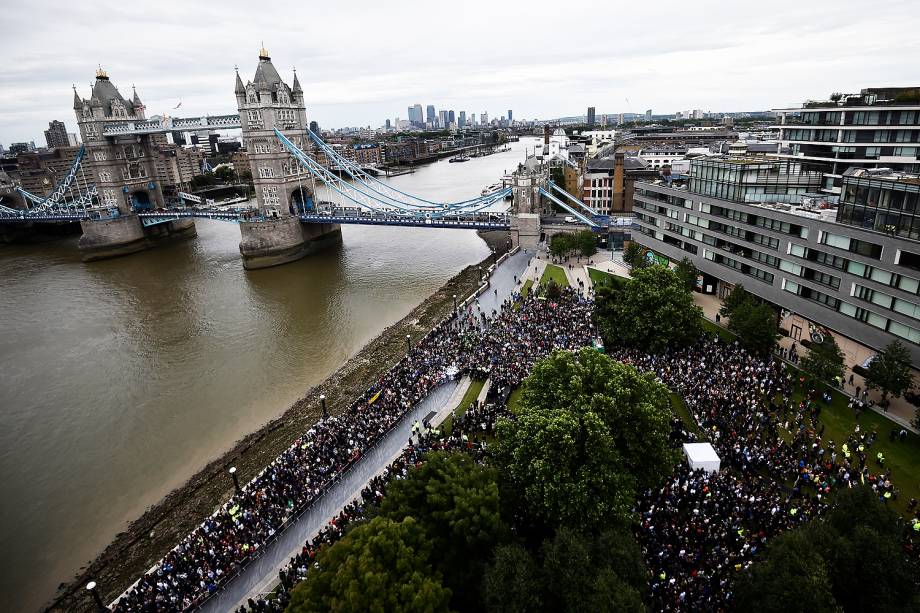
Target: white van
570,219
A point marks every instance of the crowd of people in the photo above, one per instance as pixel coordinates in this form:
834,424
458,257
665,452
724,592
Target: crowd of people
503,346
699,530
467,434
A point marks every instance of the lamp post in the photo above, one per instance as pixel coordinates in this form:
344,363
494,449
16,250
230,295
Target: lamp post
322,399
91,587
236,481
480,274
455,302
409,342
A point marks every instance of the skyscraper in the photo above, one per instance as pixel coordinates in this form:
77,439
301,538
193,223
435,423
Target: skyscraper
590,117
415,115
443,119
473,119
314,127
56,135
510,116
451,118
462,121
485,118
389,124
648,115
431,116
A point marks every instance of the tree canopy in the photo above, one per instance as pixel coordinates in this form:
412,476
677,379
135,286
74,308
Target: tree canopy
455,501
889,371
735,298
756,326
653,310
688,272
589,433
851,560
824,361
380,566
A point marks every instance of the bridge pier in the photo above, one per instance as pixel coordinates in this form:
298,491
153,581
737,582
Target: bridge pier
279,241
123,235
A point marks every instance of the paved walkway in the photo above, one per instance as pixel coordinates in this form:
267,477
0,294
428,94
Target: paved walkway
262,575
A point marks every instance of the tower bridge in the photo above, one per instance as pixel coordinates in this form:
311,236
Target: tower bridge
115,188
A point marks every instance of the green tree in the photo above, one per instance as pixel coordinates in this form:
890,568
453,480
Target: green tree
581,575
688,273
653,310
225,174
632,253
561,244
756,326
824,361
889,371
589,433
456,502
512,582
791,578
586,242
736,298
380,566
850,560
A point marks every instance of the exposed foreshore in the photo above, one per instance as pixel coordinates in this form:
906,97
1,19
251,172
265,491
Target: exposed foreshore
162,526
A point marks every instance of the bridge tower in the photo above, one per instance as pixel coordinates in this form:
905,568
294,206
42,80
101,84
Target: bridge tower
283,189
526,207
124,169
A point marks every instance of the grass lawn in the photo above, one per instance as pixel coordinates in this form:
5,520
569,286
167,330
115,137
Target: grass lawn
599,277
556,274
903,458
471,394
514,400
715,328
525,289
681,410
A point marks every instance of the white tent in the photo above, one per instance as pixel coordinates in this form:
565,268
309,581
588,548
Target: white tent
702,456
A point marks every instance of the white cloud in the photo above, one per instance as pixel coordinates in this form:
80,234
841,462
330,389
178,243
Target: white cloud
363,61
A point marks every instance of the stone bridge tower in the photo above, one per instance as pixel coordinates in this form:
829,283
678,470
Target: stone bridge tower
124,169
283,188
526,207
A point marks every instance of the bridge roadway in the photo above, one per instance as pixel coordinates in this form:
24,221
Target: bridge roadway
262,575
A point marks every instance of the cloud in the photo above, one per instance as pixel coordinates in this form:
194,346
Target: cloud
364,61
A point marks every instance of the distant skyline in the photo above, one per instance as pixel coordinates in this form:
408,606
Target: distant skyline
536,58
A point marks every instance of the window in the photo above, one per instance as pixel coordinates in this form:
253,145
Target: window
100,156
108,197
105,176
266,172
260,146
254,117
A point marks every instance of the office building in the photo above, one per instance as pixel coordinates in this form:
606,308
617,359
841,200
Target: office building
852,270
877,128
17,148
431,116
609,183
56,135
648,115
73,140
485,118
443,119
473,120
451,118
590,117
510,116
389,125
461,121
415,115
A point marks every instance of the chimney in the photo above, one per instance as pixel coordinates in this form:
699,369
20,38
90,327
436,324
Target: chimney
619,182
545,134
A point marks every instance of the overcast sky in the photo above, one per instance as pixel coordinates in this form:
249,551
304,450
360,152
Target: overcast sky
363,62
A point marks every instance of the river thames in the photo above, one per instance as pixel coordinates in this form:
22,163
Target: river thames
120,379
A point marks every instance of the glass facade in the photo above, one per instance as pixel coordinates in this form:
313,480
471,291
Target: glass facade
882,205
752,180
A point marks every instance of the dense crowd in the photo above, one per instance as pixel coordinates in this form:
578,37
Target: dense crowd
699,530
504,346
467,434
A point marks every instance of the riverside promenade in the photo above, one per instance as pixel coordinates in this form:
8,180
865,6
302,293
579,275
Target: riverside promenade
261,575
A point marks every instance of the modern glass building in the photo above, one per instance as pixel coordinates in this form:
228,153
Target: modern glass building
761,224
877,128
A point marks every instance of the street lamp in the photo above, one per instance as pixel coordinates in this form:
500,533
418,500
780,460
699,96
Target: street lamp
91,587
455,302
236,481
409,342
480,273
322,399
